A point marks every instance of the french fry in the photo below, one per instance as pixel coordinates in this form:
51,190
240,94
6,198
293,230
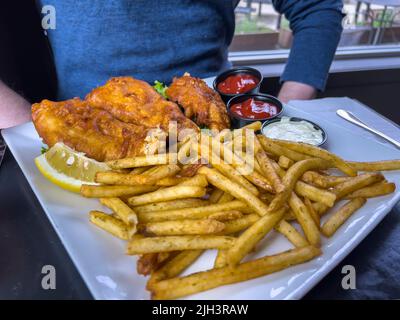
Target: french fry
312,212
226,215
284,162
340,216
124,212
319,153
143,161
305,219
271,147
147,263
101,191
251,236
292,176
378,189
226,197
233,226
110,224
290,232
202,281
375,166
322,181
171,205
174,267
361,181
198,180
189,170
315,194
215,195
220,259
160,172
170,181
177,243
236,190
191,213
170,193
139,170
183,227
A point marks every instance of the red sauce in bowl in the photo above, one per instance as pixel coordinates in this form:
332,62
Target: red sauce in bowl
254,109
238,83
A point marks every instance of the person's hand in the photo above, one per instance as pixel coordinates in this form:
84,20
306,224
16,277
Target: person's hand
14,109
292,90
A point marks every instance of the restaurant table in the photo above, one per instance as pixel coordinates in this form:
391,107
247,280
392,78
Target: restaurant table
28,241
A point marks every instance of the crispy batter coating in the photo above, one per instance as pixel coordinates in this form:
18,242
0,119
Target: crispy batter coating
200,102
135,101
93,131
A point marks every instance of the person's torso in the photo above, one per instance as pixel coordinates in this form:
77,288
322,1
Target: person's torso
149,40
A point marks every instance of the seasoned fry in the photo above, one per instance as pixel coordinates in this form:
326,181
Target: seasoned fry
312,211
176,243
143,161
220,259
375,165
226,197
174,267
215,195
319,153
284,162
361,181
305,219
226,215
271,147
191,213
98,191
201,281
110,224
170,181
268,169
147,263
125,213
236,190
170,193
322,181
292,176
291,234
251,236
315,194
184,227
197,180
171,205
340,216
139,170
240,224
378,189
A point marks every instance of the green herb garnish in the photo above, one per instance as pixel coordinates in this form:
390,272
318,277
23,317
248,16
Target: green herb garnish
160,88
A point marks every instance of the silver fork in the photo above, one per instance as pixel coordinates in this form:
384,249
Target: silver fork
347,115
2,149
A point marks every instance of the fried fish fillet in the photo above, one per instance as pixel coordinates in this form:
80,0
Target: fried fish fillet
200,102
135,101
84,128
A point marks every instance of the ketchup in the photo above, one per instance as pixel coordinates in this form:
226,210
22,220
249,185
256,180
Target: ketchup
238,83
254,109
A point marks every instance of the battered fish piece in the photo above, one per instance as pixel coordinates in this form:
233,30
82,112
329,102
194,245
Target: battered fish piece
93,131
135,101
200,102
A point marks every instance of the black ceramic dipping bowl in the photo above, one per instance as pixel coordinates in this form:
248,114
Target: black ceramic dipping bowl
239,70
324,134
238,121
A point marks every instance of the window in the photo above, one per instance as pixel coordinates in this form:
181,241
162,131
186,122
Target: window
370,27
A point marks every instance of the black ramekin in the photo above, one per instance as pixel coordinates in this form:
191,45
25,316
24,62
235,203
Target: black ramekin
238,70
316,126
238,121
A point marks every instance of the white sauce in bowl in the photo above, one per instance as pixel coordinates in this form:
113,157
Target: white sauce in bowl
297,131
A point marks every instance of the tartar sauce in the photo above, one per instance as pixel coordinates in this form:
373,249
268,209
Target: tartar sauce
298,131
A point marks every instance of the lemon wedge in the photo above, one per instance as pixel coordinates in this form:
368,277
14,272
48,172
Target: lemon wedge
68,168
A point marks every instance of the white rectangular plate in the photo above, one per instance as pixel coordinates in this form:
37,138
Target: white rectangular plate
110,274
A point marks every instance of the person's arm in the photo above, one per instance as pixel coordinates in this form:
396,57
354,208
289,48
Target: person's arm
316,26
14,109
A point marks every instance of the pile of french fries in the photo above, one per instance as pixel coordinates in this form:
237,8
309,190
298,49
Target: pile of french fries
170,213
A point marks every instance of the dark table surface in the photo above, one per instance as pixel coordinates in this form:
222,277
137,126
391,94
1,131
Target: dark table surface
28,242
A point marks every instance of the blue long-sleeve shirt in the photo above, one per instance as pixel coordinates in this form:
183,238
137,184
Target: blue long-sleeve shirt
157,40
